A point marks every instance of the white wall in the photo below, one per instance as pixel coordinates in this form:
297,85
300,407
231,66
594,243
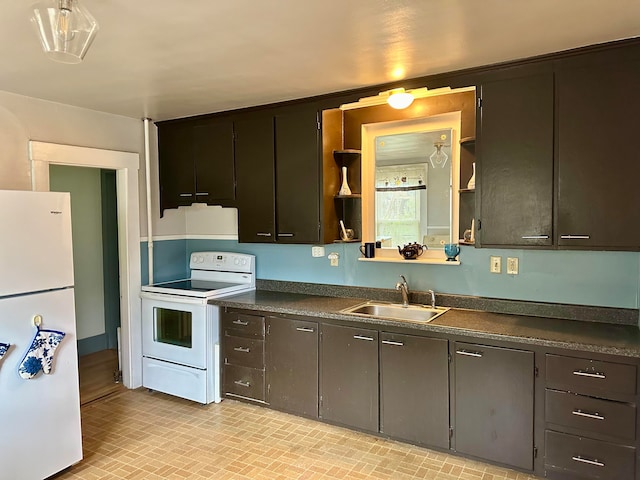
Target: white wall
24,118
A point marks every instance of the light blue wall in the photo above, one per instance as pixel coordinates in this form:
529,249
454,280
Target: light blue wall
608,279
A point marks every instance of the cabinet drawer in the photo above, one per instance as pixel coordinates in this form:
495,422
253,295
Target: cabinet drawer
246,352
244,381
582,375
615,419
244,325
588,458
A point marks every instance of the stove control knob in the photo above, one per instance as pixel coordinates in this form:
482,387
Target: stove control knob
244,261
236,260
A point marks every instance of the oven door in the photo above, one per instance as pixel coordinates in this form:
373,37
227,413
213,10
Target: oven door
174,329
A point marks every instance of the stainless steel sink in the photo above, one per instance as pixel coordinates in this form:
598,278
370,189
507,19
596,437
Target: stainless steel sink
395,311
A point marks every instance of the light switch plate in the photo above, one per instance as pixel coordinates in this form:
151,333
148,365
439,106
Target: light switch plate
512,265
495,264
317,251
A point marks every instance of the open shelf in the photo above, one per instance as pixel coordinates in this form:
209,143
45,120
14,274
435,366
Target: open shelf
419,260
353,195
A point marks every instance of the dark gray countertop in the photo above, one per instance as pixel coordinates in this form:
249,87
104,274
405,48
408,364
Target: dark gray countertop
560,333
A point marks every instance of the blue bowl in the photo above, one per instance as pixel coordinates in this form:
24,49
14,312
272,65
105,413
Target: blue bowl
451,250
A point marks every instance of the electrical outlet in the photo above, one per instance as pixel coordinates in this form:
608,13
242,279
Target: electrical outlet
317,251
512,265
333,259
495,264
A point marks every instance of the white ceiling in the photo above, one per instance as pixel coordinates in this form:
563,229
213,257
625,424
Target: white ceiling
167,59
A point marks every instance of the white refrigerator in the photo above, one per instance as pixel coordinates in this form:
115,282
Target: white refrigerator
39,411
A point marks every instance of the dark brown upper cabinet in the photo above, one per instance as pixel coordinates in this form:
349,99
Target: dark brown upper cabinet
279,175
515,170
598,165
256,178
196,163
298,175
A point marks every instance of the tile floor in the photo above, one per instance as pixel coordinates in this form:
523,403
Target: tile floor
137,434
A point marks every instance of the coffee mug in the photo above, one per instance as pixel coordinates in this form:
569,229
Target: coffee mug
368,249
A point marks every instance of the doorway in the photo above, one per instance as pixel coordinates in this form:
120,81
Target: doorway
126,166
96,276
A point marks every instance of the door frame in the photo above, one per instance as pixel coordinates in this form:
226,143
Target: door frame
126,164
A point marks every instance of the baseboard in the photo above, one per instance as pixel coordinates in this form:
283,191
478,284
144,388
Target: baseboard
92,344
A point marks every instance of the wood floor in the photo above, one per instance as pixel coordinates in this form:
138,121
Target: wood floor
97,375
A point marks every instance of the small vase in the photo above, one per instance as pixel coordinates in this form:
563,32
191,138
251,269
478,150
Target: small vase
472,181
344,189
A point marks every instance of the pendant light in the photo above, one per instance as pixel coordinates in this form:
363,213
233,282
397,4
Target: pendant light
66,29
439,157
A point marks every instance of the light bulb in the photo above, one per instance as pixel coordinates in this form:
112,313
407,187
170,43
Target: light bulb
63,21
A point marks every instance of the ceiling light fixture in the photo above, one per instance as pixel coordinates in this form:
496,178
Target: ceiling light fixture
66,29
399,98
416,93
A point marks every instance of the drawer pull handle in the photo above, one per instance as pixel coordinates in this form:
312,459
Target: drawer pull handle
305,329
535,237
595,416
263,234
469,353
575,237
242,384
582,373
201,194
391,342
240,322
580,459
362,337
186,194
242,349
285,234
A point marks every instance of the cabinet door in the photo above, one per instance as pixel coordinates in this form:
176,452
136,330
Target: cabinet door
414,388
598,164
292,366
175,165
349,376
493,404
515,161
214,163
298,176
254,149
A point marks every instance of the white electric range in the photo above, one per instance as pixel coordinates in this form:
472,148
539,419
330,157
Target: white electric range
181,331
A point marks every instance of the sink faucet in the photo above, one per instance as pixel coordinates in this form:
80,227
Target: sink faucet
404,290
433,298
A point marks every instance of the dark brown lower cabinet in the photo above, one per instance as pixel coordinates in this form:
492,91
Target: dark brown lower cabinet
292,365
579,457
349,376
414,388
493,404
